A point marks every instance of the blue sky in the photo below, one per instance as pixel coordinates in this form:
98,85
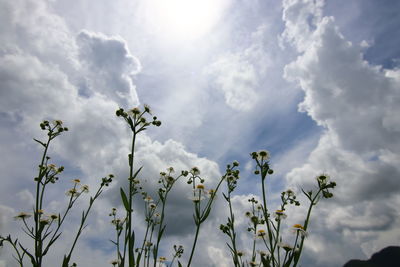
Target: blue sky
317,83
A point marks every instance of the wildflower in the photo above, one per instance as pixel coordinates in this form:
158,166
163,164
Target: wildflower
152,206
231,178
85,188
240,253
323,178
259,207
133,112
254,219
170,179
162,259
58,122
148,199
211,192
290,192
298,228
114,262
52,167
143,120
72,192
54,216
263,253
44,221
195,171
77,181
170,170
22,216
285,246
253,263
148,244
263,155
248,214
147,108
40,211
116,222
261,233
235,163
200,187
279,214
198,195
113,211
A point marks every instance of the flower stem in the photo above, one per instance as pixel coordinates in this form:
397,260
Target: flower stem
194,244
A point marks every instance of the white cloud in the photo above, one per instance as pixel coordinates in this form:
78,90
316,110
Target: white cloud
301,18
239,74
108,66
357,103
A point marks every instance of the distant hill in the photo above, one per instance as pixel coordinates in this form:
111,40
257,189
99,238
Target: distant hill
387,257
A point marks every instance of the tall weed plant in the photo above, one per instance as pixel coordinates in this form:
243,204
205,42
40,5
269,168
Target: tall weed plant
267,248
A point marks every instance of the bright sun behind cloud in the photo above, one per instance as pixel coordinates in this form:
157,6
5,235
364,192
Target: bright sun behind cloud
182,19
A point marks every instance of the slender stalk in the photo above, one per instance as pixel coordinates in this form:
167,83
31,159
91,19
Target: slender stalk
38,238
266,217
131,243
194,244
233,233
82,225
296,260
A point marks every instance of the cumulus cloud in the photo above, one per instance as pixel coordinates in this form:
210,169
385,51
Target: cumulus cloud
238,74
109,66
357,104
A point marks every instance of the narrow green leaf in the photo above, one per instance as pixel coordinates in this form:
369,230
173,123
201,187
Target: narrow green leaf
137,172
65,261
124,200
265,262
40,142
33,261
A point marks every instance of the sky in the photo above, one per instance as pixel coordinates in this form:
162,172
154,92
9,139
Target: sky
316,83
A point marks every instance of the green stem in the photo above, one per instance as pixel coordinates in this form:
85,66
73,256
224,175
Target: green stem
266,217
38,238
194,244
233,233
159,235
296,260
128,232
84,217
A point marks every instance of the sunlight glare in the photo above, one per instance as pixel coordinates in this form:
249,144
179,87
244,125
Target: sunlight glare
183,19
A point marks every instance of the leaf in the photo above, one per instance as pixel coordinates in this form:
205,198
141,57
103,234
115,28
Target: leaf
307,195
65,261
162,231
233,252
125,200
40,142
50,243
265,262
137,172
29,254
